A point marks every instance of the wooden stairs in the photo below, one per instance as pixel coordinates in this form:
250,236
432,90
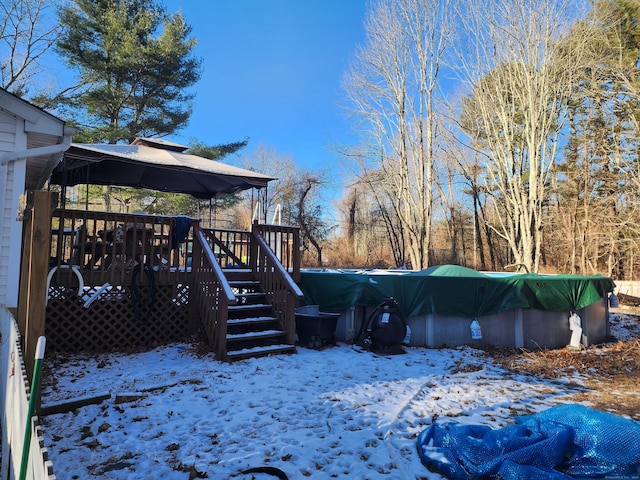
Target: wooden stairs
253,330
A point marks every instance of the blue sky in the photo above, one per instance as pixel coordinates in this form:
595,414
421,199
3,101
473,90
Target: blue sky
272,71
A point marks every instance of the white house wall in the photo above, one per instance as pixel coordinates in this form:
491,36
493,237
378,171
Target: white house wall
12,138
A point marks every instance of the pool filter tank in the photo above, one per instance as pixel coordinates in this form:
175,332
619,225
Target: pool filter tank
387,329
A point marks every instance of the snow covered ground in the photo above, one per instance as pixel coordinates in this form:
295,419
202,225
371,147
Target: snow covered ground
341,412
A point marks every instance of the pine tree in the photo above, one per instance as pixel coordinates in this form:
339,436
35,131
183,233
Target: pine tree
135,63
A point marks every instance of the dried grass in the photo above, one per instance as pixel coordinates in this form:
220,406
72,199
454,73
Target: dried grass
610,372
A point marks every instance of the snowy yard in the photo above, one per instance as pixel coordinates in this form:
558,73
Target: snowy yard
337,413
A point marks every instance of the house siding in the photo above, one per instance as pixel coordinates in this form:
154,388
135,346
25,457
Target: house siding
12,138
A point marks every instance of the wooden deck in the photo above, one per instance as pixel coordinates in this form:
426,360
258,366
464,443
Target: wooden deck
125,281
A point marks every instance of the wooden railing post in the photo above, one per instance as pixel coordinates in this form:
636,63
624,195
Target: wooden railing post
23,289
35,268
295,274
196,262
253,248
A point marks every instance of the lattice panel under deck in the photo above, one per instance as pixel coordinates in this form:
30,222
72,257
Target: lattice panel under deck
111,323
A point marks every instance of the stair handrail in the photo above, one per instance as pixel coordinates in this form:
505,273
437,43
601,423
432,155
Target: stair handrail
278,267
213,315
217,269
284,241
282,291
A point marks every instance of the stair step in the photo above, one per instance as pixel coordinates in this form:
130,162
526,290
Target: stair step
244,284
238,274
234,337
251,294
263,351
258,334
250,306
250,320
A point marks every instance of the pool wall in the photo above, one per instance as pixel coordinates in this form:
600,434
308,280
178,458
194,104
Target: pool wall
517,328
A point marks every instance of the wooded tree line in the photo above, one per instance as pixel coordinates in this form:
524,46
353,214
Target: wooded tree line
500,134
497,134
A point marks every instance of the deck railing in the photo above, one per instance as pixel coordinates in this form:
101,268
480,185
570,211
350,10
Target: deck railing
105,247
230,247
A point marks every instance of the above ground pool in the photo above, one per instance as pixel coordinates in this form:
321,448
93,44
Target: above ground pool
439,304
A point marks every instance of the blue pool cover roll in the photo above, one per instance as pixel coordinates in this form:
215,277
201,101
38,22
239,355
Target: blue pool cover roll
564,442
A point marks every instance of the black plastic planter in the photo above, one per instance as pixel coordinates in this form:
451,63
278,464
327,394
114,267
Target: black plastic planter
315,328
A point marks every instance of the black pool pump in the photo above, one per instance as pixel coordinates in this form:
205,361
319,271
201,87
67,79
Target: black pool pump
385,331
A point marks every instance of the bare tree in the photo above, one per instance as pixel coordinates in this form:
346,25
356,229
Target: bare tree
519,79
308,214
371,235
267,207
294,198
25,37
392,87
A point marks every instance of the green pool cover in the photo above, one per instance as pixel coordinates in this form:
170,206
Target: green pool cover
451,290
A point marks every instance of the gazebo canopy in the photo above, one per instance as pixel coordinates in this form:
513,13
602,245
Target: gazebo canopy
154,164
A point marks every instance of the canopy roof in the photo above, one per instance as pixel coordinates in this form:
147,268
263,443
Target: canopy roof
154,164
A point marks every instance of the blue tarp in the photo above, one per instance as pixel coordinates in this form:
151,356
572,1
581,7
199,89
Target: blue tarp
563,442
